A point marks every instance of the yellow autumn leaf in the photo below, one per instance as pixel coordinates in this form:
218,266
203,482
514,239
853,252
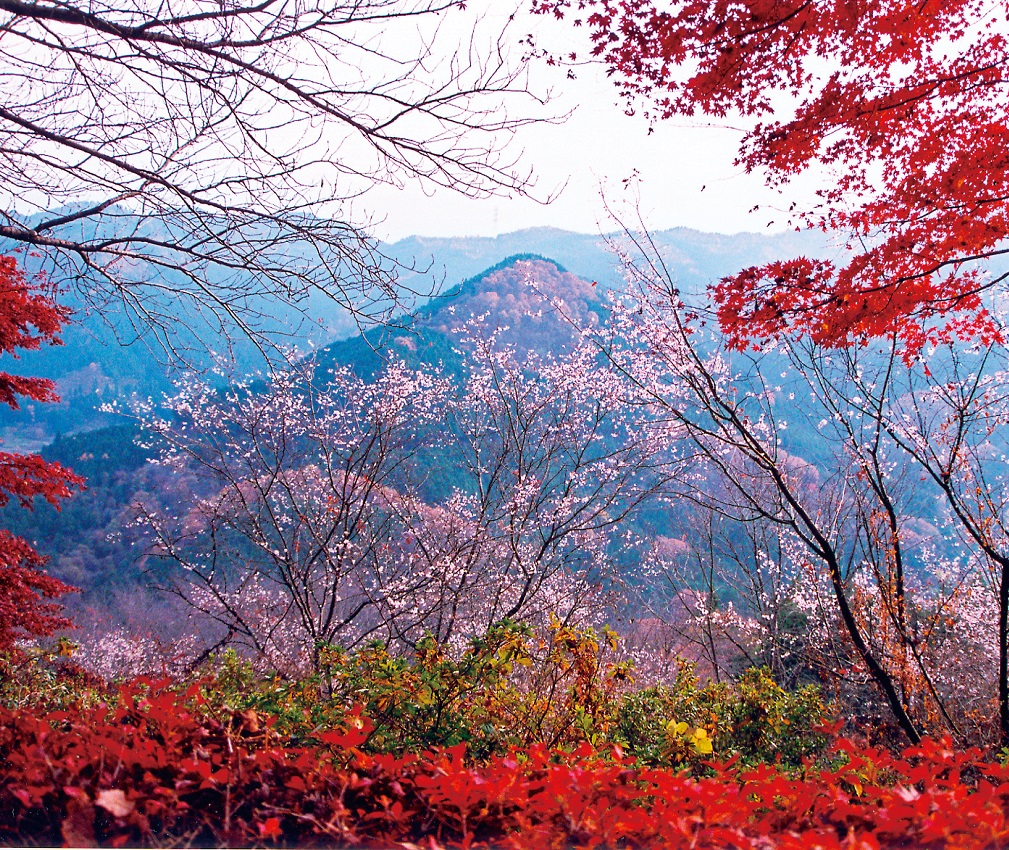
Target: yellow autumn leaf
701,741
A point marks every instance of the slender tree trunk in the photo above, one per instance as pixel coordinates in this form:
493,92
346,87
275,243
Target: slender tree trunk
1003,654
876,670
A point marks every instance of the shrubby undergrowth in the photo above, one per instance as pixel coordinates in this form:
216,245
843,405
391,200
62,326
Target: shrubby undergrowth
158,770
513,688
523,739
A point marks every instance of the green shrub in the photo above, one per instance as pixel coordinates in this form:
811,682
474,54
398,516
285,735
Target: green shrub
44,677
752,717
512,687
509,688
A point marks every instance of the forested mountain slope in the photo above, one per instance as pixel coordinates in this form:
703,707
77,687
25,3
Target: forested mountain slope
92,541
531,303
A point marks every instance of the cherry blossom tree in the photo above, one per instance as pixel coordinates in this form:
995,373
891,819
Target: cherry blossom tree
289,529
948,413
558,452
727,592
311,520
892,604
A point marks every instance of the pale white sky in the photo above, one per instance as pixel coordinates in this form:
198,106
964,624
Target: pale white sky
686,172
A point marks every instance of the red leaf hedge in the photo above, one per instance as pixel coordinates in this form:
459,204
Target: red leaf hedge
158,769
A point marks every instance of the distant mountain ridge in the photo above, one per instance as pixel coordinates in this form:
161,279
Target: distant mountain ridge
696,257
92,368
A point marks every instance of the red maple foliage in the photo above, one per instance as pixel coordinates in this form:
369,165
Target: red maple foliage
163,767
904,106
29,318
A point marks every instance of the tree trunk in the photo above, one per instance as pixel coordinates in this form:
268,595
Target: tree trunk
1003,654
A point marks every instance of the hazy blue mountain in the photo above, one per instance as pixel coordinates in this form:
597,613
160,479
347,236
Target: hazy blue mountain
91,542
695,258
104,359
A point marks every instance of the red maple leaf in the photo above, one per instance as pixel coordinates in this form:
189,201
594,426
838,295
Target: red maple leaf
900,111
29,318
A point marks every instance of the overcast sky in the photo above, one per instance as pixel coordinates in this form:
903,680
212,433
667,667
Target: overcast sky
686,175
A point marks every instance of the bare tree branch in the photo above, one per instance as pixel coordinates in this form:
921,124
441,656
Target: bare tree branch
194,159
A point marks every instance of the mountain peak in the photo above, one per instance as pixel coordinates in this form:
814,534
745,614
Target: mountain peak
518,297
528,301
